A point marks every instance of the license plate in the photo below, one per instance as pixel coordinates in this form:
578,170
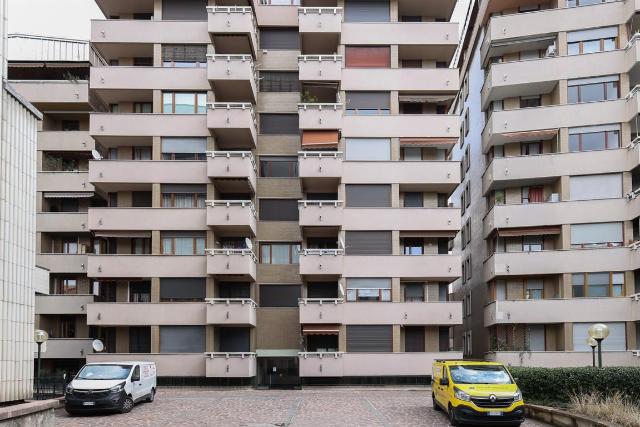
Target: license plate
88,403
495,413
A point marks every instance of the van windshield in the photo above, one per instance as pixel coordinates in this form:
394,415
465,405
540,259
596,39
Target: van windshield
104,372
479,374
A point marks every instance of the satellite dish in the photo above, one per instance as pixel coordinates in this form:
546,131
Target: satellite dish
97,345
96,155
247,242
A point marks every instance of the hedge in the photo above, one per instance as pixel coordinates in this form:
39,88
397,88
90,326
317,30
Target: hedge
556,385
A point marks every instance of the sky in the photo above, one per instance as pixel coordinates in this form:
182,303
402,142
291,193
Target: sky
74,23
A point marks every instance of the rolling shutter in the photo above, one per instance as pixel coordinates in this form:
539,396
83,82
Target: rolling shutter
368,149
184,10
414,339
184,145
279,295
368,243
193,288
616,341
591,187
279,210
366,11
369,338
368,195
234,340
368,100
182,339
279,124
279,39
598,233
367,57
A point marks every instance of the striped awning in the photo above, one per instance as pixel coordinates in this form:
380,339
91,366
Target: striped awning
78,195
427,142
320,329
529,231
320,138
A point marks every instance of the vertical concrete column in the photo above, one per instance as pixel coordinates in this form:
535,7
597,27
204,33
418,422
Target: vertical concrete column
395,103
157,10
561,43
209,344
395,241
629,283
157,55
565,286
565,193
395,290
156,148
625,134
631,336
157,101
395,60
627,182
210,291
155,339
397,345
122,291
393,11
155,289
563,140
156,195
342,338
395,149
156,248
565,237
395,195
568,337
628,232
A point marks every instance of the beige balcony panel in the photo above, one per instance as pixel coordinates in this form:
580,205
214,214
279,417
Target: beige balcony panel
278,59
53,92
321,364
146,313
557,311
167,364
72,222
562,359
121,219
232,263
445,174
521,170
148,172
63,304
315,311
402,126
311,166
147,266
403,219
230,365
63,263
139,78
219,165
320,214
320,20
132,124
233,20
558,262
635,307
65,141
118,31
66,348
233,77
276,15
320,116
231,312
401,79
232,217
557,213
64,181
320,68
41,280
434,267
392,364
314,264
233,124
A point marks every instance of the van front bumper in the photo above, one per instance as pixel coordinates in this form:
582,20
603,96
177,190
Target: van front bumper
101,402
466,414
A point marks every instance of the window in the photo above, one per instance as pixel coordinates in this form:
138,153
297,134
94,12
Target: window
414,292
278,167
70,125
574,3
184,10
279,124
280,253
279,38
143,107
139,291
70,245
279,81
530,148
594,89
366,11
411,63
279,295
366,103
369,338
534,289
141,153
592,40
414,339
182,339
594,285
592,187
367,57
67,326
184,103
532,243
616,341
182,289
532,195
412,246
530,101
590,138
183,243
413,200
67,286
467,197
139,340
368,195
183,195
184,56
598,235
368,243
369,289
232,290
141,246
411,153
181,148
278,210
368,149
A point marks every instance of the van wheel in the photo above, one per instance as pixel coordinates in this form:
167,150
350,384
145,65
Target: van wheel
127,405
152,395
436,407
452,417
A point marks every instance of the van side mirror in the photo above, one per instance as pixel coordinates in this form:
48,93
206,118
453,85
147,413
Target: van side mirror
444,381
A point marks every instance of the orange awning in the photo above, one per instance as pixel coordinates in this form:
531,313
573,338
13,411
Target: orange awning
427,142
320,138
320,329
532,135
530,231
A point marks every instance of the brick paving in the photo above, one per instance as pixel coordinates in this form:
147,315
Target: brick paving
258,408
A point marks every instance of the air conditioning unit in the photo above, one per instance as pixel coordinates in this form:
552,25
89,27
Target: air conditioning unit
554,198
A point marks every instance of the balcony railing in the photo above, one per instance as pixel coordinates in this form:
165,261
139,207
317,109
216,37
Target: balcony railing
335,106
321,301
230,354
305,58
322,252
229,301
320,154
320,203
280,2
231,58
369,294
320,354
229,252
229,203
229,154
320,10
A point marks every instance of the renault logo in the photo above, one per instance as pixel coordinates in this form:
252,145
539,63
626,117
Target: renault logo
493,398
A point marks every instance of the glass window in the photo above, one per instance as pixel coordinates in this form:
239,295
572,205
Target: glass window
280,253
594,138
532,243
67,286
413,200
534,289
412,153
617,284
598,284
369,289
578,285
184,103
278,167
413,246
183,245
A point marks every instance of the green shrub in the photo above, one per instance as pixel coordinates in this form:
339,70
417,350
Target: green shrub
558,385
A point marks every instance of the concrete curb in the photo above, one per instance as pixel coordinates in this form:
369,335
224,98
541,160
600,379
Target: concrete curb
562,418
30,407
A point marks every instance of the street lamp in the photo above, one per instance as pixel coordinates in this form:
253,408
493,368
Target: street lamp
599,332
593,344
39,336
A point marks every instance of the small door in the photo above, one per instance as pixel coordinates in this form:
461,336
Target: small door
443,390
279,372
137,389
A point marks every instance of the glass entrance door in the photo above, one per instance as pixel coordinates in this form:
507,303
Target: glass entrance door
279,372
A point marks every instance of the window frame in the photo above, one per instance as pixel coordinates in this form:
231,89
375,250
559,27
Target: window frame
196,106
290,255
585,284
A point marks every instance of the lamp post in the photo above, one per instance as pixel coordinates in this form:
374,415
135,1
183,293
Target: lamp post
593,344
39,336
599,332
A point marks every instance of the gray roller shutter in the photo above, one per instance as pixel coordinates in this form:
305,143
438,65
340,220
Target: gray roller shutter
279,81
368,195
279,124
366,11
279,39
414,341
192,288
234,340
369,338
279,210
184,10
279,295
443,338
368,100
182,339
183,188
368,243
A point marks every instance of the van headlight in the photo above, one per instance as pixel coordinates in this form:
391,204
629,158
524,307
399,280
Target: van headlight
69,389
461,395
117,389
517,396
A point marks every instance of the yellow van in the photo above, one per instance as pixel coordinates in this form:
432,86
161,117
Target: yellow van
476,393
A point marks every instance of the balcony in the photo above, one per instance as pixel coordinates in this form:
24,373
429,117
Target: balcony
231,311
167,364
133,266
146,313
108,125
62,263
232,165
233,77
109,35
340,364
65,141
67,222
321,262
320,164
558,262
320,213
234,125
377,313
635,307
401,79
63,304
137,219
441,176
562,359
67,348
236,21
432,267
236,217
230,365
325,68
320,116
232,262
523,170
123,173
52,94
63,181
555,213
573,310
440,126
320,28
403,219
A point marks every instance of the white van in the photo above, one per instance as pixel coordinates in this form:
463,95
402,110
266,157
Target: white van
114,386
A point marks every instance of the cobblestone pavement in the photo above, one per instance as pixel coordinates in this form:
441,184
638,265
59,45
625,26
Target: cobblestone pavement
258,408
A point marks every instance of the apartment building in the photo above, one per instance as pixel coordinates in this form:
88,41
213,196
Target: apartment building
276,178
549,153
52,74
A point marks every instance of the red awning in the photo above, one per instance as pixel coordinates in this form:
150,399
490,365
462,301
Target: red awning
320,329
320,139
428,142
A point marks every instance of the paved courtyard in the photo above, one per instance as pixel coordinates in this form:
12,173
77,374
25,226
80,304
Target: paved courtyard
256,408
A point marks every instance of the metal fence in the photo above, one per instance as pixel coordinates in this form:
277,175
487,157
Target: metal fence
49,387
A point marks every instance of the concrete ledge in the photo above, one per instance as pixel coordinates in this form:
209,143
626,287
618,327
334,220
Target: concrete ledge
10,413
561,418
